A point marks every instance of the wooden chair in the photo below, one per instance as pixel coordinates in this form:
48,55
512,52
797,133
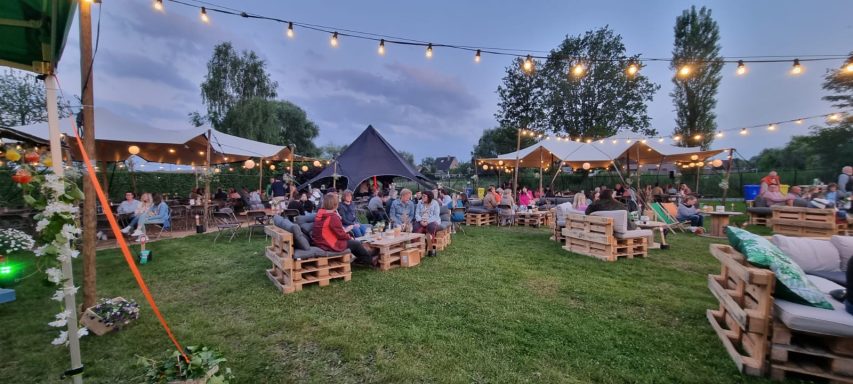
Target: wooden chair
593,236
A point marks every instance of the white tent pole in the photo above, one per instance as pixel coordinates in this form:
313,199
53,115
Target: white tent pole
67,274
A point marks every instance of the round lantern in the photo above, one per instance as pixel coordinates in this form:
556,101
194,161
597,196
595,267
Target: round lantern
717,163
133,150
304,168
485,166
700,164
249,164
317,163
694,157
586,166
501,162
272,167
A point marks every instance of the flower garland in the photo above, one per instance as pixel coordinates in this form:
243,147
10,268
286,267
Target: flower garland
57,227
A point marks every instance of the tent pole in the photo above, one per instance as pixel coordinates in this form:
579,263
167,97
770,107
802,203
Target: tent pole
261,173
206,197
292,181
541,176
728,172
515,178
67,273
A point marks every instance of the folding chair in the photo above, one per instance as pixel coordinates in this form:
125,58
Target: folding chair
226,222
663,214
256,219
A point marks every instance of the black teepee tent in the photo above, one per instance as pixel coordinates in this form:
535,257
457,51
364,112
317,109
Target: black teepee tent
369,155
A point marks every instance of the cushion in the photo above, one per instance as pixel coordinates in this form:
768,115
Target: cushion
283,223
793,284
800,202
300,241
764,211
834,322
620,219
759,202
635,234
479,209
810,254
308,253
307,228
838,277
306,218
844,245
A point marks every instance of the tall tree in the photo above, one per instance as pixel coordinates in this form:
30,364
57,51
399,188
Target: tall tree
408,156
232,78
697,46
22,100
296,128
595,96
331,151
839,82
521,98
495,141
272,121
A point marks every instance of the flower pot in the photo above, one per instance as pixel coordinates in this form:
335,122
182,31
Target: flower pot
96,324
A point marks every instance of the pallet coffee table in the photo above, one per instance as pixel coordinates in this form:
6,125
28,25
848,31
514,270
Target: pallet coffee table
403,250
531,218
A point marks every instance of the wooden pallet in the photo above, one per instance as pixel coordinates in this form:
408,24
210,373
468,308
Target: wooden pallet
531,219
804,222
757,219
290,275
742,321
285,286
479,219
812,356
593,236
392,250
442,239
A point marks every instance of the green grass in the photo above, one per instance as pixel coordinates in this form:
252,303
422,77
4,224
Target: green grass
499,306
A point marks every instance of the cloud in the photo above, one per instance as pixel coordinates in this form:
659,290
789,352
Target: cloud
135,65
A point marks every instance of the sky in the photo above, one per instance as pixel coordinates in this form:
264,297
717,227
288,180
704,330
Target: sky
149,64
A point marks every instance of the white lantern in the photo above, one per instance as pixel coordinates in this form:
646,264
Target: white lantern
317,163
272,167
485,167
501,162
585,166
717,163
694,157
304,168
249,164
133,150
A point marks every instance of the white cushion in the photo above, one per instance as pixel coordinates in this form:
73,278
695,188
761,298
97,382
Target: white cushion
804,318
810,254
563,211
844,245
620,219
635,234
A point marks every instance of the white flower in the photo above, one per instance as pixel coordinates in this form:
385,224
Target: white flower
61,319
59,295
59,207
61,339
69,232
82,332
40,250
54,275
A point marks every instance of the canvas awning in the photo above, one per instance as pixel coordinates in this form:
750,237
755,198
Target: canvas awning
34,32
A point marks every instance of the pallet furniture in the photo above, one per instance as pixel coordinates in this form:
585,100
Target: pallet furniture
531,218
719,222
393,250
804,354
798,221
480,219
291,275
742,321
442,239
593,236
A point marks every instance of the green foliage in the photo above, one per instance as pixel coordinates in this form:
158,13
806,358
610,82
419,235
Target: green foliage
498,140
408,156
602,101
274,122
331,151
697,38
22,98
521,98
840,85
204,363
824,147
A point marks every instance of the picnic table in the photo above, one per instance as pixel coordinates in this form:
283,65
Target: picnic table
395,251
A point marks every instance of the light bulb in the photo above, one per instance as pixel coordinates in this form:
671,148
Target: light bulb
133,150
158,5
684,71
633,68
743,131
203,15
697,137
578,70
849,66
528,64
429,51
290,33
334,40
799,121
741,67
660,140
771,127
477,56
677,138
719,134
797,68
381,49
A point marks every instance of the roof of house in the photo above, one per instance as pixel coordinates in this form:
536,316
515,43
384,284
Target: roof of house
444,163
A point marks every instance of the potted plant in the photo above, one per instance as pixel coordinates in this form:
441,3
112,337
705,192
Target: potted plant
110,314
171,368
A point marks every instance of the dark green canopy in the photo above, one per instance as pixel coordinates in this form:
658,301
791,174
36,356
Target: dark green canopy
33,33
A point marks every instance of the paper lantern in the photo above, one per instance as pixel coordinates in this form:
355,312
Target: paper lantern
701,164
501,162
133,150
485,166
317,163
249,164
717,163
694,157
304,168
586,166
272,167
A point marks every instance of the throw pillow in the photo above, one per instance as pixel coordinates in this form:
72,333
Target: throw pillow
620,219
299,239
283,223
793,284
306,218
307,228
844,244
810,254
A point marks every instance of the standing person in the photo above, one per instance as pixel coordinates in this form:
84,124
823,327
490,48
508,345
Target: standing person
127,209
348,214
403,210
329,233
845,182
687,211
278,192
428,219
770,179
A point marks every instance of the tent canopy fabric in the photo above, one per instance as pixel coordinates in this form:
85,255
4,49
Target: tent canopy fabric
369,155
116,134
34,32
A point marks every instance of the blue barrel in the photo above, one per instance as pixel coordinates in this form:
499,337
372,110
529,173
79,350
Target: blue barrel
750,191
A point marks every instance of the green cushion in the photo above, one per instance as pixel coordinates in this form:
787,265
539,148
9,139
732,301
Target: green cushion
793,285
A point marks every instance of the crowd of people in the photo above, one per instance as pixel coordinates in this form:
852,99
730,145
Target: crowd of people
832,195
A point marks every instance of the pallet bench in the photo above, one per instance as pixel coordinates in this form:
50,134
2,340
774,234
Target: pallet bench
480,219
593,236
804,222
802,354
291,275
442,239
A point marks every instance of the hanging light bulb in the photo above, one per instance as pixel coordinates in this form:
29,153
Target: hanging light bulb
203,15
290,33
677,138
317,163
158,5
719,135
741,67
848,67
643,141
684,71
304,168
527,66
381,47
660,140
743,131
697,137
797,68
578,70
429,51
477,56
334,40
834,117
799,121
632,70
771,127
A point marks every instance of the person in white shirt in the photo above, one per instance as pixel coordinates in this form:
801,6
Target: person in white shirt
127,209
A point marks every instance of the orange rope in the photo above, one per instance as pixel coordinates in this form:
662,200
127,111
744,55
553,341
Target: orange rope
122,244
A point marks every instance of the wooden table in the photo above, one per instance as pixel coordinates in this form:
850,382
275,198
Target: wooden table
404,250
719,222
267,211
660,227
531,218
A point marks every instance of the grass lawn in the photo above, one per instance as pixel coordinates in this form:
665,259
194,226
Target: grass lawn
500,305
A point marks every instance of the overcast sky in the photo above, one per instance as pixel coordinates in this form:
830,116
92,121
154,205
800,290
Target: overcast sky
150,64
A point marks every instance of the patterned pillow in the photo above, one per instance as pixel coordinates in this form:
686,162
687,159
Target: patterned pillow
793,283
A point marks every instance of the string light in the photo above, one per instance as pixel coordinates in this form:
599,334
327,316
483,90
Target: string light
633,68
797,68
743,131
334,40
684,71
477,57
697,137
741,67
799,121
158,5
771,127
290,33
677,138
203,15
834,117
578,70
429,51
381,47
849,66
527,66
719,135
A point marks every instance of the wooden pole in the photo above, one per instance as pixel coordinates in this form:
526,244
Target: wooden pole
206,197
541,175
261,177
90,215
728,172
292,181
515,177
67,273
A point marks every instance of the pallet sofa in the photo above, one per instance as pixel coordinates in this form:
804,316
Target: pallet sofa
604,235
767,335
807,222
292,268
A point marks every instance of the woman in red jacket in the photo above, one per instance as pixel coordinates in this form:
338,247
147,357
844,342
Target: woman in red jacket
329,233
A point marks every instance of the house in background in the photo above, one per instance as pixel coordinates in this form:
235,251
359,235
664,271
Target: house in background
444,166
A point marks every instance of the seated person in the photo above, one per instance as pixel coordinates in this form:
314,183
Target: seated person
329,233
303,205
774,197
525,197
403,211
255,201
348,214
158,214
428,219
459,201
579,202
220,194
127,209
688,211
490,201
831,192
376,206
630,200
618,190
605,202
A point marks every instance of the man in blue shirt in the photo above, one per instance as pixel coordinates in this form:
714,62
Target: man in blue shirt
403,210
127,209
